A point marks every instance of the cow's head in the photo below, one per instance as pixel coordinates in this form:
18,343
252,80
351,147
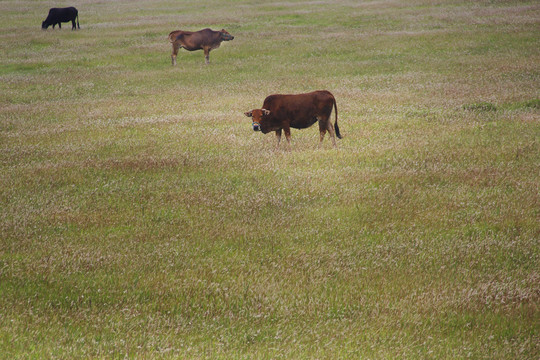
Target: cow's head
45,25
225,36
257,118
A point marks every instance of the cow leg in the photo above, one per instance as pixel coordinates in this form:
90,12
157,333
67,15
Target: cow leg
287,130
207,55
322,130
59,25
73,27
53,25
322,133
175,48
332,132
278,137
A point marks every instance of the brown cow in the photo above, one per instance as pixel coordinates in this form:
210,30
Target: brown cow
205,39
283,112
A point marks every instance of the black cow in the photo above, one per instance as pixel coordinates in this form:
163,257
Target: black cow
300,111
60,15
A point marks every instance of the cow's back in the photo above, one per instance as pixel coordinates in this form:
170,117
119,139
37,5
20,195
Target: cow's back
293,100
63,14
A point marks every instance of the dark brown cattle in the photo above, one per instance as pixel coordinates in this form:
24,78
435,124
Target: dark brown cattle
205,39
283,112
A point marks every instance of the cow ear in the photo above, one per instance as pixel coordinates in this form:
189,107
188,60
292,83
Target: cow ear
249,113
266,112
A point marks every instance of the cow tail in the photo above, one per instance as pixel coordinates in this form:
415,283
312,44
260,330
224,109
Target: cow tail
78,26
336,127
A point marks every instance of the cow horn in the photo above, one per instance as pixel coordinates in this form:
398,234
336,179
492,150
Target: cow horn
266,112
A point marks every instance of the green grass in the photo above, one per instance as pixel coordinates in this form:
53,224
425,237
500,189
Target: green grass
141,216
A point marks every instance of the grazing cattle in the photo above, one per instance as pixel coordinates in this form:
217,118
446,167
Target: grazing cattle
60,15
283,112
205,39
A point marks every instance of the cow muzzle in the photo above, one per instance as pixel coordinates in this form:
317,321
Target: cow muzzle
256,126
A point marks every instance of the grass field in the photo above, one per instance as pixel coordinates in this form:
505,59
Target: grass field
141,217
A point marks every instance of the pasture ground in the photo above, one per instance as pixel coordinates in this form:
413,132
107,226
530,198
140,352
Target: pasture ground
141,216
